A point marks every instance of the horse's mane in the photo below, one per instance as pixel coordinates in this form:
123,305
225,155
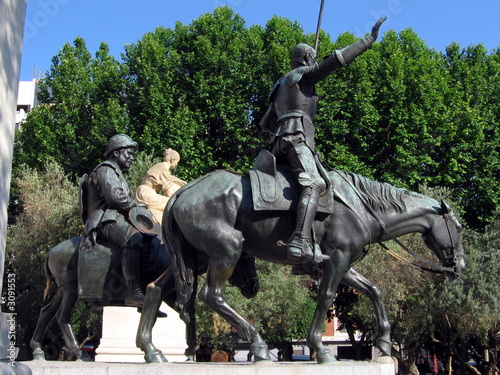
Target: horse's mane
381,196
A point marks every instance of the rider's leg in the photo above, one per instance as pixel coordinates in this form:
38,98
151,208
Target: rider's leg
122,234
301,244
131,267
301,158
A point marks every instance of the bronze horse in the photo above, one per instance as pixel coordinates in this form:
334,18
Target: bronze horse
212,221
61,264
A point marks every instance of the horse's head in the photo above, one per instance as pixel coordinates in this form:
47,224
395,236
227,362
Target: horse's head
443,238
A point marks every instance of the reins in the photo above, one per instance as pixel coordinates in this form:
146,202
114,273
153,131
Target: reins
415,265
435,268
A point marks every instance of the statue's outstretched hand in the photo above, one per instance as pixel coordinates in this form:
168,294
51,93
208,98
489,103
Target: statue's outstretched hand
376,27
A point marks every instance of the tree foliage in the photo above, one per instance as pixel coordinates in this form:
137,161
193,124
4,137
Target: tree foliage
467,313
81,107
401,113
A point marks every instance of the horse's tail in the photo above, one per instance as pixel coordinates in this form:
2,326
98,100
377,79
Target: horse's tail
183,258
48,279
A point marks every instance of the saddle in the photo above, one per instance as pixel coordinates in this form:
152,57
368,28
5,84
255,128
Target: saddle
99,274
274,187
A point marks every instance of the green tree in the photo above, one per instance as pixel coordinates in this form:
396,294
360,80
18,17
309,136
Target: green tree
193,88
467,313
408,115
401,113
474,113
81,106
347,110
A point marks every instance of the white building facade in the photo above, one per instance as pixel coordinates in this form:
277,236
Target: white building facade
26,100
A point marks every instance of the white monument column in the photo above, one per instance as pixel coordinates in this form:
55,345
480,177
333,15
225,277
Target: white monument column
12,16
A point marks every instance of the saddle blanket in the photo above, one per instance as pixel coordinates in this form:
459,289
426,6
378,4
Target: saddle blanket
276,189
99,274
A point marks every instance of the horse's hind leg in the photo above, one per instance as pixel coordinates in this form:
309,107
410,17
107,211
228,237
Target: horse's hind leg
169,296
63,316
355,280
47,313
158,290
219,270
152,301
190,351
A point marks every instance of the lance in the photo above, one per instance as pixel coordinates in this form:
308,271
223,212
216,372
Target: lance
318,28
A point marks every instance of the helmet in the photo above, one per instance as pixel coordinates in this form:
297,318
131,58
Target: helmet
117,142
301,52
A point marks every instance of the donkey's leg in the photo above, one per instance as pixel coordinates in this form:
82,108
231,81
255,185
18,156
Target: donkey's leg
47,313
220,268
328,287
63,316
355,280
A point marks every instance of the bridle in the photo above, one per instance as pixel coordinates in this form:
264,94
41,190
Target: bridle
455,253
435,268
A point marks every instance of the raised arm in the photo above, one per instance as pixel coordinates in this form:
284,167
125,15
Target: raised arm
344,56
349,53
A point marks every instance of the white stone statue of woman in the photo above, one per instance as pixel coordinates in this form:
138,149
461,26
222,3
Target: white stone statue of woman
159,184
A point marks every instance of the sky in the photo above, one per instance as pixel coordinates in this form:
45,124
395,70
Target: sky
52,23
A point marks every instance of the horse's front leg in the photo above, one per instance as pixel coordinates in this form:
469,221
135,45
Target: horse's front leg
220,269
328,287
355,280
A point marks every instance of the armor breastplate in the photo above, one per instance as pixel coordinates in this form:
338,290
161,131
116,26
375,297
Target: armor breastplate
290,98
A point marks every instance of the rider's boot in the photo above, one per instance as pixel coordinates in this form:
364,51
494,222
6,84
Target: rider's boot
301,244
131,265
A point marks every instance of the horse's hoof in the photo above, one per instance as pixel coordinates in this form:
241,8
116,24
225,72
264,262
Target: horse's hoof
38,355
156,357
260,351
384,345
325,357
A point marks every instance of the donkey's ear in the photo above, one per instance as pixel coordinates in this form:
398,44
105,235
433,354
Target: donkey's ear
445,209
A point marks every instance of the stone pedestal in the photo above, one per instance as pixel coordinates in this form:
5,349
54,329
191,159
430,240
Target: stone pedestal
212,368
119,330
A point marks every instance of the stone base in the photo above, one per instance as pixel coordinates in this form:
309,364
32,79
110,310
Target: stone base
199,368
119,330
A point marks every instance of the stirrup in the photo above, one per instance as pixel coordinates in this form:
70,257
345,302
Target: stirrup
159,313
135,299
300,248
